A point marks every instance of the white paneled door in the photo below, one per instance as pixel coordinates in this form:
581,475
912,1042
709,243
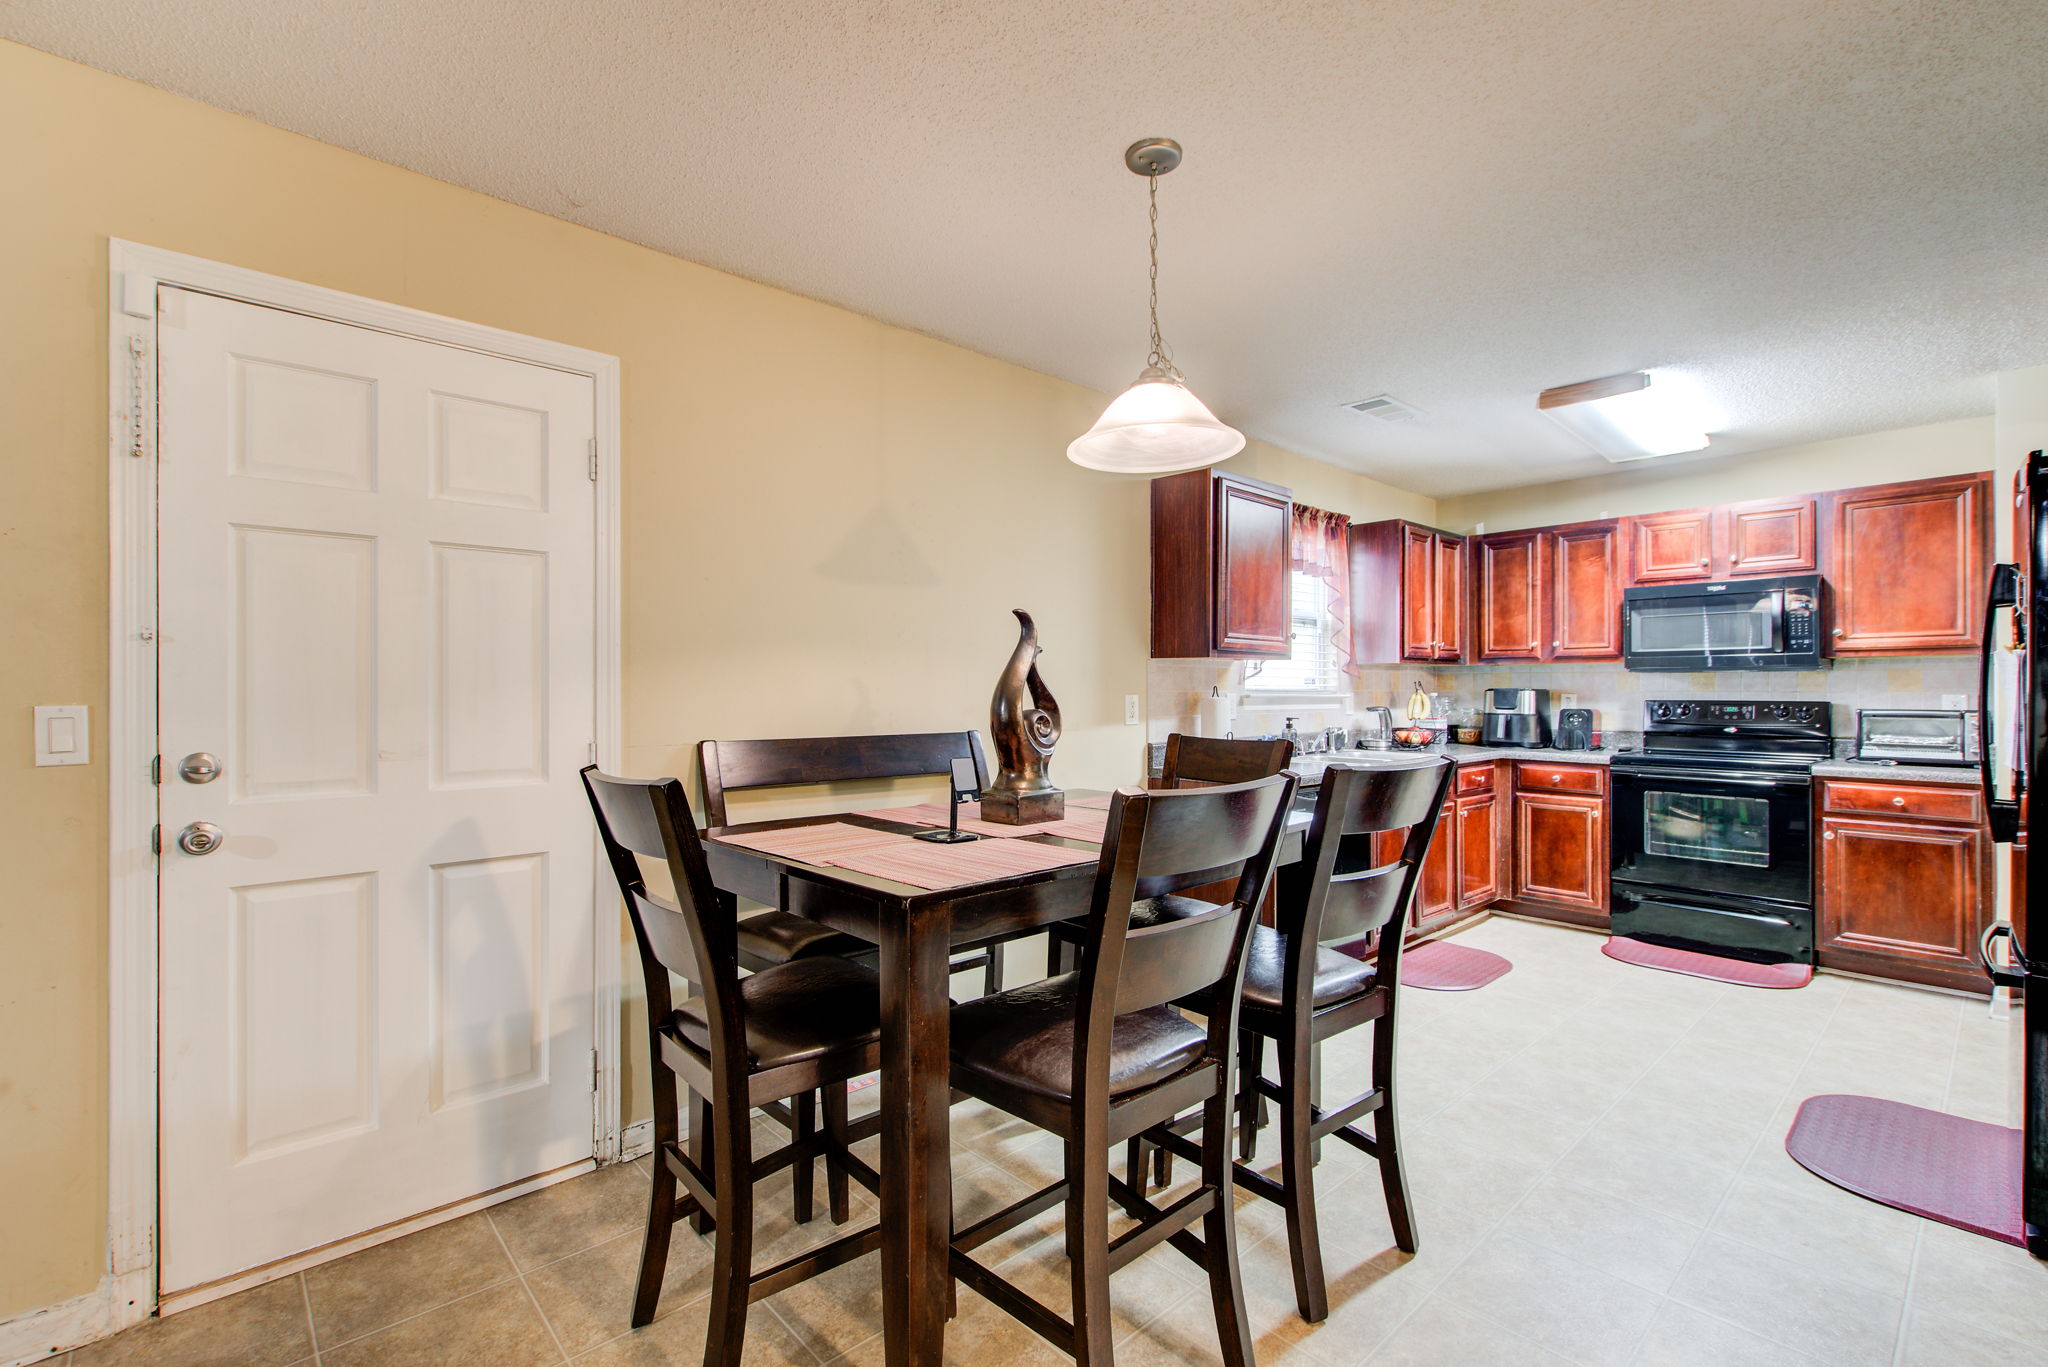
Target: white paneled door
376,633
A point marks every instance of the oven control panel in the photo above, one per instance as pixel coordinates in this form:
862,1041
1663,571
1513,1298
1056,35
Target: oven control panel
1702,713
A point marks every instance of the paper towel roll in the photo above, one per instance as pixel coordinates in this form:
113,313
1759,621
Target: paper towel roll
1214,717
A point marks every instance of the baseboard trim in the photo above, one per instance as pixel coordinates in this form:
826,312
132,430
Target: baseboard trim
636,1139
39,1334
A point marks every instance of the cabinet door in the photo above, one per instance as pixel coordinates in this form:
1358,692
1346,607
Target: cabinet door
1254,531
1908,565
1561,850
1770,536
1906,892
1672,548
1418,594
1478,851
1450,598
1585,599
1436,890
1507,570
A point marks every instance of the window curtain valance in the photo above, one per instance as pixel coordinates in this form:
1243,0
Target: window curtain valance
1322,547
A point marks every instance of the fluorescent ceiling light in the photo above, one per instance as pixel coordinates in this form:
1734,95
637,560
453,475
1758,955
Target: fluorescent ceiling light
1622,418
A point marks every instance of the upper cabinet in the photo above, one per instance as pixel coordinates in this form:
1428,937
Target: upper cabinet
1908,565
1222,548
1407,594
1768,536
1548,593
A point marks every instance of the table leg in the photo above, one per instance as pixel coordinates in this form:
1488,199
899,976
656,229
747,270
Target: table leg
917,1178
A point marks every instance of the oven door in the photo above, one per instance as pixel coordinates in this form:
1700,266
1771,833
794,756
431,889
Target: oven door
1725,833
1691,631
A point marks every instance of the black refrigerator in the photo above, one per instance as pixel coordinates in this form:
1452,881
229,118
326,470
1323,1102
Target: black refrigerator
2013,711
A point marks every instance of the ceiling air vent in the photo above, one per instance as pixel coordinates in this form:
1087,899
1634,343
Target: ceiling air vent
1386,408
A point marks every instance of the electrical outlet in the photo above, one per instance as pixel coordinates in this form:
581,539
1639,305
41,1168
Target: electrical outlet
1130,709
1567,700
1955,702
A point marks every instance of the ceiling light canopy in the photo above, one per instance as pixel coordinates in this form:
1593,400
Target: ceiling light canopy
1623,418
1157,426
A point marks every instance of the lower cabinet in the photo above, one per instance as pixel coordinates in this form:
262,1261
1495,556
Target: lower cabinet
1480,841
1561,858
1462,870
1905,878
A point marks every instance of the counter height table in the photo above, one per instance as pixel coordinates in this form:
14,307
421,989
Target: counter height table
914,930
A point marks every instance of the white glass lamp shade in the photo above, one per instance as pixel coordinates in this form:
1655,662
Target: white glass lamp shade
1155,427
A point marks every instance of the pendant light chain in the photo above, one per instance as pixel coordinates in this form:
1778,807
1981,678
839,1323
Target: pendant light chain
1160,357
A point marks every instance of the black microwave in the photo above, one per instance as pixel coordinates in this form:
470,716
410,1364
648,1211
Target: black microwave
1737,624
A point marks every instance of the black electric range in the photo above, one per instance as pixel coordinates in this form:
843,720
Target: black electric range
1713,828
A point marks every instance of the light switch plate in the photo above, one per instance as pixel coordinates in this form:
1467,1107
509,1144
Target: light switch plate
62,736
1955,702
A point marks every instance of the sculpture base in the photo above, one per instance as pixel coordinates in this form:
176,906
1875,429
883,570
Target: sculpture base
1022,809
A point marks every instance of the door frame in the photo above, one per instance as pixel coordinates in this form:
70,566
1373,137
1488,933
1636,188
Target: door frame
129,1292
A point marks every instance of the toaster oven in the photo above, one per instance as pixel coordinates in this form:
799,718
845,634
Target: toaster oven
1909,737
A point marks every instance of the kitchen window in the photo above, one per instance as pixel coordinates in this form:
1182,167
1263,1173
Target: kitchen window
1313,667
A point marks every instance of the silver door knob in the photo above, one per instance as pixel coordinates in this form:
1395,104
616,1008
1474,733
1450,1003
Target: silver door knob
201,837
1829,836
1898,802
1838,631
199,767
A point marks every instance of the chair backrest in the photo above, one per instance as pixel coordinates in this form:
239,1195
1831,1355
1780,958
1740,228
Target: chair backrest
734,765
692,936
1156,843
1205,759
1337,893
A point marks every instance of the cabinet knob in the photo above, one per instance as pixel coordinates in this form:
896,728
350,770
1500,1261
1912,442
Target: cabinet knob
1557,778
1898,802
1829,836
1837,631
1703,560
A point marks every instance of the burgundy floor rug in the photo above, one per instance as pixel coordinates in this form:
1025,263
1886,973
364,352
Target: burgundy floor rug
1442,966
1741,972
1961,1172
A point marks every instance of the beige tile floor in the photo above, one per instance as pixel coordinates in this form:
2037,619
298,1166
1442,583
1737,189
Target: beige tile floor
1597,1162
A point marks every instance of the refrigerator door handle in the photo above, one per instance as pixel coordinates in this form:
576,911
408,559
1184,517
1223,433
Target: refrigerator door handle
2005,593
2014,976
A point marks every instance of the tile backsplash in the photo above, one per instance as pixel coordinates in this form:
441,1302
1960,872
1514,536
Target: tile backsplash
1175,689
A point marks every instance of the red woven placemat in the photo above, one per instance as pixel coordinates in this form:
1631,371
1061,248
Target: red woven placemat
1079,826
925,865
810,844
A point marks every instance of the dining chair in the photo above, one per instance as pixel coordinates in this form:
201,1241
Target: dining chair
779,935
1193,760
1099,1055
740,1044
1299,992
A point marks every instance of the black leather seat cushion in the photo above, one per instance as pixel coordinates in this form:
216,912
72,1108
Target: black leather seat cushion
1338,976
780,936
796,1012
1024,1038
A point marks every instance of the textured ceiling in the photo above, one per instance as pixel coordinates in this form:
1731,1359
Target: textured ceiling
1832,214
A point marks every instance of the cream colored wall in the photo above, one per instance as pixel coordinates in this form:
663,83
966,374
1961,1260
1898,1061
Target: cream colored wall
826,521
1946,448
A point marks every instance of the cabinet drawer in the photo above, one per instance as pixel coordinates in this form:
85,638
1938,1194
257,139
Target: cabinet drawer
1560,778
1475,778
1930,803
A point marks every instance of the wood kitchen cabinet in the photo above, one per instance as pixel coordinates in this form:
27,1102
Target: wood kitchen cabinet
1461,872
1908,564
1222,555
1407,594
1736,540
1560,856
1548,593
1905,875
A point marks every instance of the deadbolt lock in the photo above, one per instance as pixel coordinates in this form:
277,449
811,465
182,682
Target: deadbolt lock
201,837
199,767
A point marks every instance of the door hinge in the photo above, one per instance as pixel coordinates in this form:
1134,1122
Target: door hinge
593,1071
156,770
593,460
156,840
593,753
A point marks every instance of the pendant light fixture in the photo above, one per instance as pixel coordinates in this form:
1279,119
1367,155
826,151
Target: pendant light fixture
1157,426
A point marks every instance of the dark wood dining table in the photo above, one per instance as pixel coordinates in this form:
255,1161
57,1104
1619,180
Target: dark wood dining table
914,931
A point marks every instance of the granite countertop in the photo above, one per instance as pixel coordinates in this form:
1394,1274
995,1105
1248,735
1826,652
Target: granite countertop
1311,767
1955,776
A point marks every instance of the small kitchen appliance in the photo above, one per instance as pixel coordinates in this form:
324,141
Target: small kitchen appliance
1917,737
1574,728
1516,716
1375,729
1763,623
1713,828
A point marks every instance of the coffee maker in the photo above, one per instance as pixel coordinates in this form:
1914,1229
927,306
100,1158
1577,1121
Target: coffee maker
1516,716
